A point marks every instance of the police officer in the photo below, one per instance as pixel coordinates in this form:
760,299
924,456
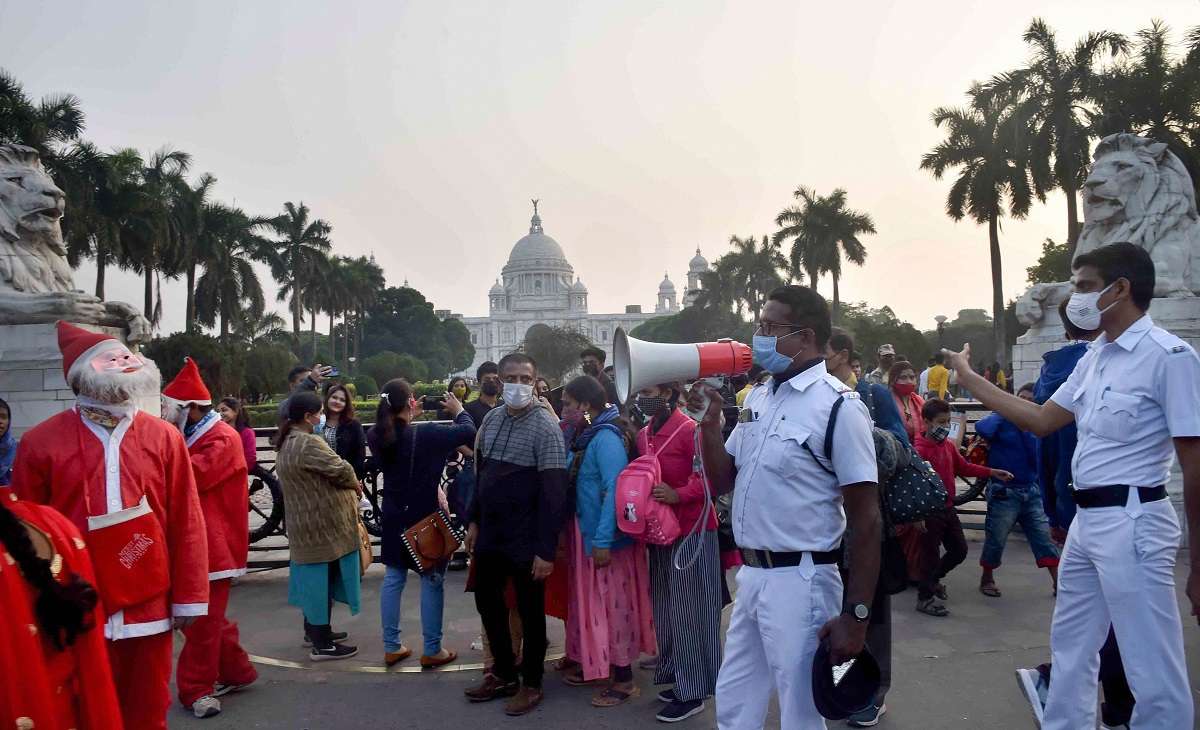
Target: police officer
1135,392
788,517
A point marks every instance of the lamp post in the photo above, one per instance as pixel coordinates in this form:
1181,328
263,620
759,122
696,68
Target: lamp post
941,329
351,360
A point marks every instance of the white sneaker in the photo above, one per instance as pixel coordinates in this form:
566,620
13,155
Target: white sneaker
206,706
1035,689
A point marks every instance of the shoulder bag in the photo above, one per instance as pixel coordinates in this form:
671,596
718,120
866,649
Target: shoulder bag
434,538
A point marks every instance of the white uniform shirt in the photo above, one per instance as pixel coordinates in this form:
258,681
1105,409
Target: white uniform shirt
1130,398
923,383
783,500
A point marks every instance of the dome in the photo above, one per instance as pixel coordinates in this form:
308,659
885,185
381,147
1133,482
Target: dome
537,252
666,287
496,288
698,262
578,287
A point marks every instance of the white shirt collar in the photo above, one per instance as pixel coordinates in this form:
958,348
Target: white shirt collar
1130,338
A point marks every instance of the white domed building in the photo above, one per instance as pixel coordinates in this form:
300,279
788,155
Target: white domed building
539,286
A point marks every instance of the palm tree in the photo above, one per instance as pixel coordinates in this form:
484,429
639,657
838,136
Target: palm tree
251,327
755,269
302,242
229,284
192,210
159,230
45,126
364,281
986,144
823,230
1051,95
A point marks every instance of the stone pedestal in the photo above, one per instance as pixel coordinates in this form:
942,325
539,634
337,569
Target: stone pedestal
1179,316
31,375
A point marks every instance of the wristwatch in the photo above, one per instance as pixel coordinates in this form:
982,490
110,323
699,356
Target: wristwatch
860,611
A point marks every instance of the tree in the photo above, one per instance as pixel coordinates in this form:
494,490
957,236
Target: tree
823,230
1050,97
747,274
556,349
267,366
46,126
158,246
986,143
301,243
1053,265
695,324
192,206
226,250
386,365
873,327
221,366
250,328
401,320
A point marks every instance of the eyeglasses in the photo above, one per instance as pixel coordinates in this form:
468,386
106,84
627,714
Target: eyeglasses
776,329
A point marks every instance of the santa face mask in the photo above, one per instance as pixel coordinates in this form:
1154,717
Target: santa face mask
115,375
116,359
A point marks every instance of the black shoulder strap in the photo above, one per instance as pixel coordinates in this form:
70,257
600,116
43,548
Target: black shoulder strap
833,415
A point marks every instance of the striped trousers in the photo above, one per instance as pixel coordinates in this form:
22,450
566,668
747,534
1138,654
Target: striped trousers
687,615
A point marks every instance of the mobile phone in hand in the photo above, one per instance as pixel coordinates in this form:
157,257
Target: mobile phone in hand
432,403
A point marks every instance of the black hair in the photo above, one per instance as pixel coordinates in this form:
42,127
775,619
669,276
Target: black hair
5,407
737,382
595,352
898,367
856,356
587,391
1074,331
1122,261
348,415
459,379
299,405
933,408
517,358
807,309
487,368
393,400
939,358
63,610
756,371
242,419
297,372
840,339
1023,388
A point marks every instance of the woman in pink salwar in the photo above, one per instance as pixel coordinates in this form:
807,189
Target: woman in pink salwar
609,617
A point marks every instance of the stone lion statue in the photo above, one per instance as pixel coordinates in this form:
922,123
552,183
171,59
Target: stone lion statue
36,284
1138,191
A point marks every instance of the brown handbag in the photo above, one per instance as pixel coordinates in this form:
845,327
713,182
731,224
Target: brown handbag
433,539
366,556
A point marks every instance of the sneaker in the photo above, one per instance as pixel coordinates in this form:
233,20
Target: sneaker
206,706
667,695
1035,686
679,711
223,689
492,688
332,652
336,637
867,716
524,701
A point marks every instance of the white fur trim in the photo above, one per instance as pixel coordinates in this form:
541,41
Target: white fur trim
116,629
99,522
189,609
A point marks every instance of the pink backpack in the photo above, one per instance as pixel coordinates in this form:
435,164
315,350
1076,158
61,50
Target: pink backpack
639,515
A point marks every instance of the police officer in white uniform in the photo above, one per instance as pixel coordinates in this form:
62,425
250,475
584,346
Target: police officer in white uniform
1135,396
788,517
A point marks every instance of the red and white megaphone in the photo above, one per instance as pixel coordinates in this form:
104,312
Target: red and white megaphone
639,364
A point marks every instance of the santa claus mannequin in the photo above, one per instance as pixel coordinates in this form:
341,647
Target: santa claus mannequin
124,479
212,663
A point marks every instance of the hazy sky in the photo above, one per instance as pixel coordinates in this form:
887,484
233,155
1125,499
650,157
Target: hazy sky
421,129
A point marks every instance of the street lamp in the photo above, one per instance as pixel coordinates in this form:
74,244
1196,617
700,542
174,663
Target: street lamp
941,329
352,360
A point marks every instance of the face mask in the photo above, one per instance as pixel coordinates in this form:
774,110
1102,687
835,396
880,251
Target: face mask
767,357
460,392
940,433
651,405
490,388
1084,311
517,395
905,388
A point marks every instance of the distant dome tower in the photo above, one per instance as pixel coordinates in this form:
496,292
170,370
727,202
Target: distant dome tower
696,267
497,298
667,303
537,276
579,294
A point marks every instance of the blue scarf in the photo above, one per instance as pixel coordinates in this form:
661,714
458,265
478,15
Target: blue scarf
190,428
606,421
8,453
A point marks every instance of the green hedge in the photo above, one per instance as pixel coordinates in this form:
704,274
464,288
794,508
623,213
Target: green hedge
266,415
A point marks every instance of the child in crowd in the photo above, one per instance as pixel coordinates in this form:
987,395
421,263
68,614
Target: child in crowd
943,529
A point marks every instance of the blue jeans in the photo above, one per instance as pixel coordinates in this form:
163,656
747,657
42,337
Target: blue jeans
432,603
1008,505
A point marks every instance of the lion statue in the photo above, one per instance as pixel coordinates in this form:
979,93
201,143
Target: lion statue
36,284
1138,191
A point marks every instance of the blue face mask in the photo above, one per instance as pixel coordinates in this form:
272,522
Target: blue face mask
766,356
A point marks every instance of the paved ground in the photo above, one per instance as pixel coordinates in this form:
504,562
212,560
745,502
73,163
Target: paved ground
955,672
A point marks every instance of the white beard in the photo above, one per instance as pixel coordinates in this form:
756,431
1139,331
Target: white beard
116,388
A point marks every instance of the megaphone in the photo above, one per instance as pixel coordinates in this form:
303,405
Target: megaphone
639,364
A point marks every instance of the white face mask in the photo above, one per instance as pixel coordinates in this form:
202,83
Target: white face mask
517,395
1084,310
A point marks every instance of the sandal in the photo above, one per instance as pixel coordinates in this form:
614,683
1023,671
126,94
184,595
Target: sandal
990,590
611,696
565,665
574,678
931,607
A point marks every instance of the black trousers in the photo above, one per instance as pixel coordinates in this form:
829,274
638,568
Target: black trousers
942,530
492,573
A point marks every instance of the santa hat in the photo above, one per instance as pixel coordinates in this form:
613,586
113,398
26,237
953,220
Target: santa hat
78,345
188,386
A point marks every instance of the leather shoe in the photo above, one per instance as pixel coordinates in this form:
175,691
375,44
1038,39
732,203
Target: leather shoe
492,688
392,658
441,659
525,701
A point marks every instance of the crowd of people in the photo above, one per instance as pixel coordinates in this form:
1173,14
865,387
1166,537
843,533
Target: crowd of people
122,526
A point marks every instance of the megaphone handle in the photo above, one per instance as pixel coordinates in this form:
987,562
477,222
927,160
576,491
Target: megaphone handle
698,416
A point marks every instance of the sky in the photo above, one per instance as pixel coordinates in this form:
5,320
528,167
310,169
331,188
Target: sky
420,130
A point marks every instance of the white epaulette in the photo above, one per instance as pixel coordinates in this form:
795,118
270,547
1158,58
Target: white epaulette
1169,342
840,387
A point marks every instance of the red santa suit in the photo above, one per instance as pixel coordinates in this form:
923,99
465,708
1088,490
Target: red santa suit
212,653
105,480
46,686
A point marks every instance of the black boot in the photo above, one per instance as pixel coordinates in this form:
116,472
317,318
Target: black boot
337,636
324,647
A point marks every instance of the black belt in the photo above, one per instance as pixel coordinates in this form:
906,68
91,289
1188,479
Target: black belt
768,559
1116,495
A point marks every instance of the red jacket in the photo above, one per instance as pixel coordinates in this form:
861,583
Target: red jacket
943,456
60,458
676,462
219,464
